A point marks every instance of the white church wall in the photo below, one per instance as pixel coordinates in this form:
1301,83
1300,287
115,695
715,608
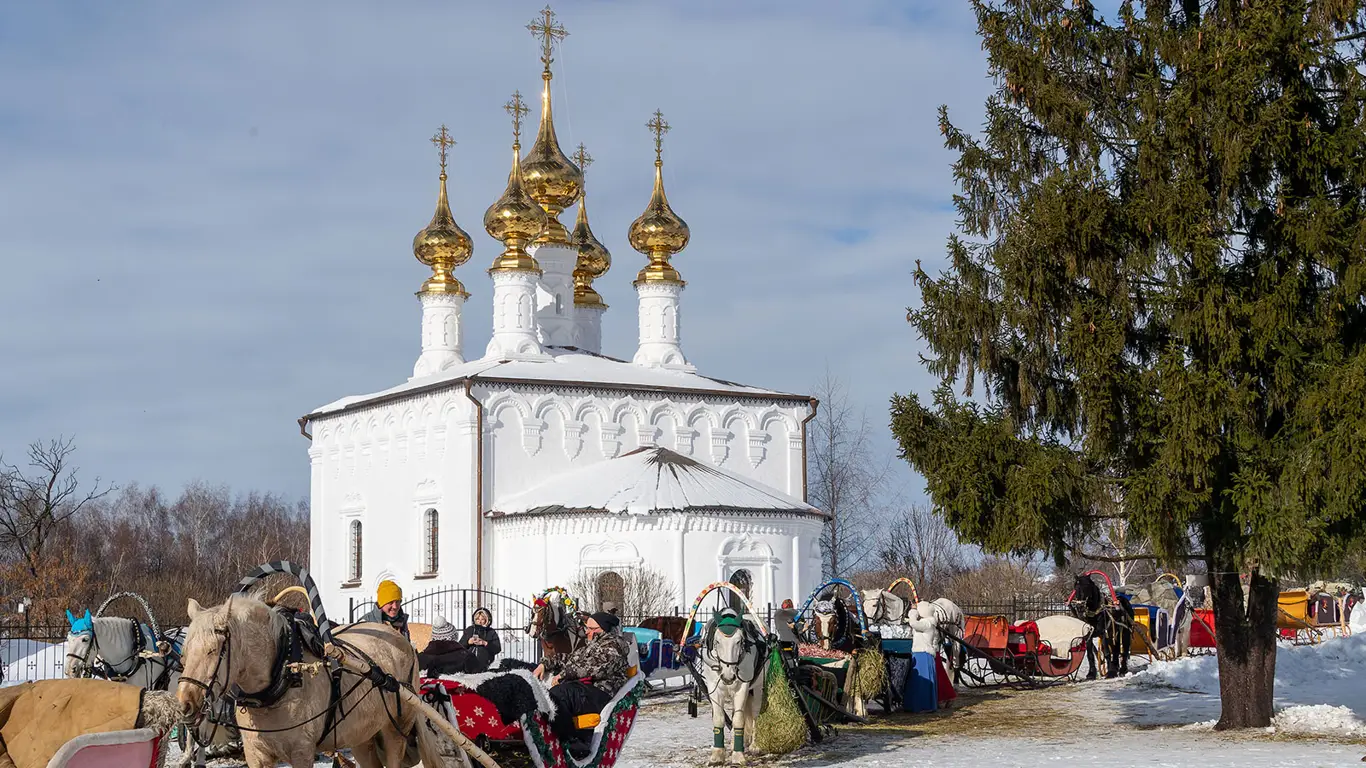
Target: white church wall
532,553
385,465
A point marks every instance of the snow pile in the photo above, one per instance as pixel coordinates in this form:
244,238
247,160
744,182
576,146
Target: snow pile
1320,720
1356,620
1319,688
23,660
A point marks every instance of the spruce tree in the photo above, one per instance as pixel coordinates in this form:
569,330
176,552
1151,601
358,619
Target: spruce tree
1155,295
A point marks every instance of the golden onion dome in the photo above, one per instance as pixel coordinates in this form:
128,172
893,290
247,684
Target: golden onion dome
659,232
594,260
515,219
551,178
443,246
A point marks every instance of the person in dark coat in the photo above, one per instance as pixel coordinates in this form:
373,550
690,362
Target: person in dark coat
444,654
389,608
481,641
587,679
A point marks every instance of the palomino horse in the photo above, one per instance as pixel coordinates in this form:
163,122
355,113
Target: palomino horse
1113,625
245,656
733,656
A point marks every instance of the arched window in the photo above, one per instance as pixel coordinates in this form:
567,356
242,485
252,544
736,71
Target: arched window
741,579
611,589
430,539
355,551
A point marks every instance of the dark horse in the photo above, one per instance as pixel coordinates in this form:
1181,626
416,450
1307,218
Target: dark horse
556,625
1112,624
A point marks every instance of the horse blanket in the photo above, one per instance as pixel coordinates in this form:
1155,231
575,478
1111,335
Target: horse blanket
36,719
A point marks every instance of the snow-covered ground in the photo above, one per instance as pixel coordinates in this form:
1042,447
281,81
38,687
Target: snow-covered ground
1161,716
1320,690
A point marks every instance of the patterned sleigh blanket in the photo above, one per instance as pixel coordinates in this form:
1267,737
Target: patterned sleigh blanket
514,694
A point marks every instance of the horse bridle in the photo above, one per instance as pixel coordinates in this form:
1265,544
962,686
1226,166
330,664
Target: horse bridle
746,644
108,672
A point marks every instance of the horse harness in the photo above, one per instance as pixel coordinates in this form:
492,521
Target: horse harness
748,641
138,655
298,634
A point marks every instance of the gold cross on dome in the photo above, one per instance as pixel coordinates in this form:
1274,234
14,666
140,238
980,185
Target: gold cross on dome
516,108
660,128
443,141
582,158
549,32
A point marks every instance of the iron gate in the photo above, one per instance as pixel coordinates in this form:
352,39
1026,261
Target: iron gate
511,616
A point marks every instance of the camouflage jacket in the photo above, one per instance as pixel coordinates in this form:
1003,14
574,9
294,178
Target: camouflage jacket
602,662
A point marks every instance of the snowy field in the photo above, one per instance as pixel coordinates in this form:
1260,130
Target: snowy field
1160,716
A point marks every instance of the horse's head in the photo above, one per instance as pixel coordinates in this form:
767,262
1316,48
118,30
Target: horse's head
827,623
80,644
229,644
547,617
1086,598
883,607
727,643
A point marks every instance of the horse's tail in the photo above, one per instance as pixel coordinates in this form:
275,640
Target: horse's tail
435,748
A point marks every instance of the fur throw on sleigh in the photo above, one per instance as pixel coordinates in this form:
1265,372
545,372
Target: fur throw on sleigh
514,694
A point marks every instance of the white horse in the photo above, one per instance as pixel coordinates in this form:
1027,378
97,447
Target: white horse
733,663
950,621
120,649
885,612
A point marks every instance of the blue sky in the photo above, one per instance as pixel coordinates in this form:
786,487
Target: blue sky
206,210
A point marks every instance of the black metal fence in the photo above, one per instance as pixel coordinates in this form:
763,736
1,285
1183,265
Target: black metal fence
1016,609
511,616
32,652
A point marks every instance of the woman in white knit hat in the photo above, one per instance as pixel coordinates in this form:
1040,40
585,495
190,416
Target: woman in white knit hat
445,654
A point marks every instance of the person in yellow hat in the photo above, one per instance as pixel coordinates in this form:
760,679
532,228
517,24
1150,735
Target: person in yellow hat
389,608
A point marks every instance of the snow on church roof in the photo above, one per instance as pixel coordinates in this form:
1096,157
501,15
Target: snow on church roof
650,480
568,366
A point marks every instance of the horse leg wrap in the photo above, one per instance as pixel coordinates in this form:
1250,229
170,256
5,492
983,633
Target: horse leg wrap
739,740
718,738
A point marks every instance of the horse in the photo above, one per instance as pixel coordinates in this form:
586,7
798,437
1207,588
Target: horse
886,612
952,625
120,649
830,625
733,660
556,625
262,663
836,631
1112,624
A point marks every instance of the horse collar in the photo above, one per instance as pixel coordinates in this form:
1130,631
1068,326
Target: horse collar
289,650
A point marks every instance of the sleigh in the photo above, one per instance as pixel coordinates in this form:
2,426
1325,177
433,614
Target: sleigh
137,748
1007,652
478,719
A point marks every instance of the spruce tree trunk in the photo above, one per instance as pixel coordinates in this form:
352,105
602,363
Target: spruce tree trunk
1245,634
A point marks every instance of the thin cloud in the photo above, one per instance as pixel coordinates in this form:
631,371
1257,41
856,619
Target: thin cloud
206,211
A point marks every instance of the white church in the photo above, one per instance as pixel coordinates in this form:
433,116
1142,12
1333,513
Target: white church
543,461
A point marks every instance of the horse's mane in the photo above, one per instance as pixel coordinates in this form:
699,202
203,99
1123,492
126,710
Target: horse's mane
250,620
